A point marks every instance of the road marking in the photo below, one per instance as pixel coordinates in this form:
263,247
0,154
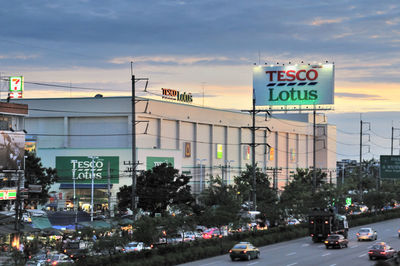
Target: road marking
332,265
253,263
354,246
305,245
326,254
292,264
291,254
362,255
208,263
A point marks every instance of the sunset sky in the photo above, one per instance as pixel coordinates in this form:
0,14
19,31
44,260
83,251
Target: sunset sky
209,46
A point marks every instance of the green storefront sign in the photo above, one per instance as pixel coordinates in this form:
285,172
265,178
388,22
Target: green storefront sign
81,169
390,166
156,161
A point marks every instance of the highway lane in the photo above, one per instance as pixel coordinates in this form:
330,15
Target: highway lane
303,251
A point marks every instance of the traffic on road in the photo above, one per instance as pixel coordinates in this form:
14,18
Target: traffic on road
305,252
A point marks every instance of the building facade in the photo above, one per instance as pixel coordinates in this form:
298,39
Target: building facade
84,137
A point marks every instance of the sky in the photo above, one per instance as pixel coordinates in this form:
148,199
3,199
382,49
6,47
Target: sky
208,48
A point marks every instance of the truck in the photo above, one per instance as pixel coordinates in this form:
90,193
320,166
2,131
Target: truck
324,222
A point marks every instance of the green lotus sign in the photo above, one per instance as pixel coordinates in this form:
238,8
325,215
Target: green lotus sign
82,168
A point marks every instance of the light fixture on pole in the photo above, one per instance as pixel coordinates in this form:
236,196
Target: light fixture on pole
201,173
92,194
228,165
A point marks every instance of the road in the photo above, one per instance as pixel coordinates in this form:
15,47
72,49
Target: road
303,251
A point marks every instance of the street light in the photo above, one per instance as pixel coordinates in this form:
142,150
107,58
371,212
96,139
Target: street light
228,164
91,200
201,172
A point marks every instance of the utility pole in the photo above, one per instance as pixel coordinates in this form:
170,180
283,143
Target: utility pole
18,204
133,145
391,146
314,155
92,194
362,123
108,188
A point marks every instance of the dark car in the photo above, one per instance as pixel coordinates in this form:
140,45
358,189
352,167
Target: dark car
381,250
336,241
244,250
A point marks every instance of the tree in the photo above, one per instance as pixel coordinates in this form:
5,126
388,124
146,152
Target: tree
267,197
146,230
157,189
221,206
297,198
36,174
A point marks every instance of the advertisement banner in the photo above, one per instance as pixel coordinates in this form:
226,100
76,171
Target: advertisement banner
81,168
12,150
156,161
390,166
8,194
293,85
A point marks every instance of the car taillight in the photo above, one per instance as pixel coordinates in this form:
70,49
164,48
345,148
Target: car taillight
326,222
245,251
358,234
312,234
54,263
230,251
369,234
336,242
326,242
383,252
370,252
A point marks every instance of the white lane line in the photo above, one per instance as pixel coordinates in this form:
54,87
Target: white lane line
211,263
362,255
354,246
305,245
253,263
291,254
332,265
326,254
292,264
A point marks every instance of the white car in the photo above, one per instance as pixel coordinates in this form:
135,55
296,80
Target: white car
367,234
135,247
293,222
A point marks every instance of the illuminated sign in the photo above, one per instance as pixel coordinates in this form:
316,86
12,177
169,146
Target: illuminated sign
293,85
292,155
220,152
176,95
348,201
157,161
81,168
8,194
16,87
271,154
246,153
188,151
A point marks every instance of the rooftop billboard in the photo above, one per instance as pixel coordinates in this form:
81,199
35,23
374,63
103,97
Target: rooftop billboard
12,150
293,85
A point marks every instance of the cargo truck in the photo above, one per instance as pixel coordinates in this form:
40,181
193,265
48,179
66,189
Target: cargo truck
322,223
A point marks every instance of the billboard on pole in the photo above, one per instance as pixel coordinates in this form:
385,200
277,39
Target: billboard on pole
12,150
390,166
293,85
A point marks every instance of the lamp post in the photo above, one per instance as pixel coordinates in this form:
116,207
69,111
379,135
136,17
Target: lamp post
92,194
74,188
201,173
228,164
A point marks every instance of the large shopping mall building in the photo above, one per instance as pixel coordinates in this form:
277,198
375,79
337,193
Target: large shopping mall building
69,133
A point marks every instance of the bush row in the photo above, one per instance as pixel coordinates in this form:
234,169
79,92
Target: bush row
201,249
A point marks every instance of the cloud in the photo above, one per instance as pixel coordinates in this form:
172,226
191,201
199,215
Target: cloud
319,21
358,96
168,59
